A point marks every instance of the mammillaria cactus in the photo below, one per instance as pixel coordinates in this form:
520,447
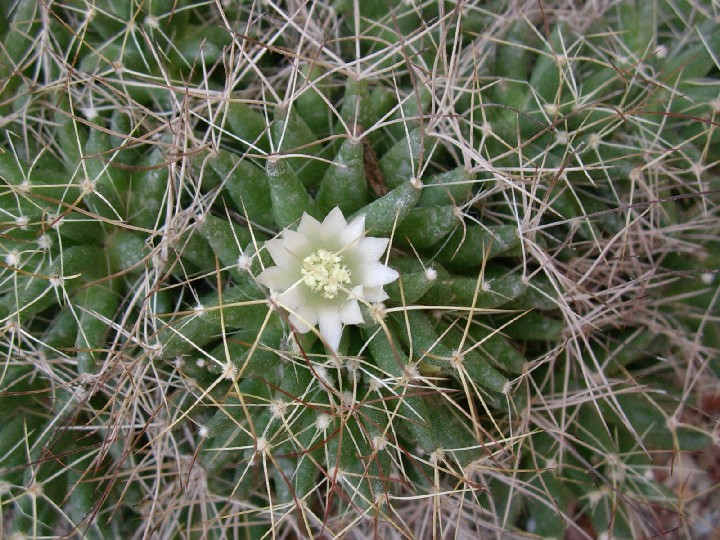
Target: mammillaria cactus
341,269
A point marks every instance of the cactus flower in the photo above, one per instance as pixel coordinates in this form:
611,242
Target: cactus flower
323,270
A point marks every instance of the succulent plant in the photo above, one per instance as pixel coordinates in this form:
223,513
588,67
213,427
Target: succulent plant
502,218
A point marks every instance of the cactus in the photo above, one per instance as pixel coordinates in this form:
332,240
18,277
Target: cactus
448,270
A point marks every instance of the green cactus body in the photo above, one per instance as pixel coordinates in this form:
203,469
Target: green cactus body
243,306
97,305
289,197
510,94
692,62
409,114
428,346
246,185
126,251
547,74
344,183
193,251
247,125
411,287
17,42
481,294
225,239
424,227
291,134
402,162
535,326
383,269
384,213
34,294
312,103
453,187
148,192
251,359
469,245
38,511
61,334
497,349
16,379
355,108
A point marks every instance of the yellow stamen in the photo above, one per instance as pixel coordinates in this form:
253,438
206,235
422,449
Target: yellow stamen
324,272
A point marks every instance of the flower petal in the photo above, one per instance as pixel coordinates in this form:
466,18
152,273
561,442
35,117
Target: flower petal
355,231
377,274
356,292
276,278
350,313
309,226
333,224
298,245
293,298
278,252
375,294
303,319
330,327
371,249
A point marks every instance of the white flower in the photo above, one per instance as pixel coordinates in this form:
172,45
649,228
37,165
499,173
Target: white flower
323,269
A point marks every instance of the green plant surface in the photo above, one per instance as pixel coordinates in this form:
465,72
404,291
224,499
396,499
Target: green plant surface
334,269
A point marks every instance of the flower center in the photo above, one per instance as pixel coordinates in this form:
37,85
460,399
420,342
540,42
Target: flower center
324,272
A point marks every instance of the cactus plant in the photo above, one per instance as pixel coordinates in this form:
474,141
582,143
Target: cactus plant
501,217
